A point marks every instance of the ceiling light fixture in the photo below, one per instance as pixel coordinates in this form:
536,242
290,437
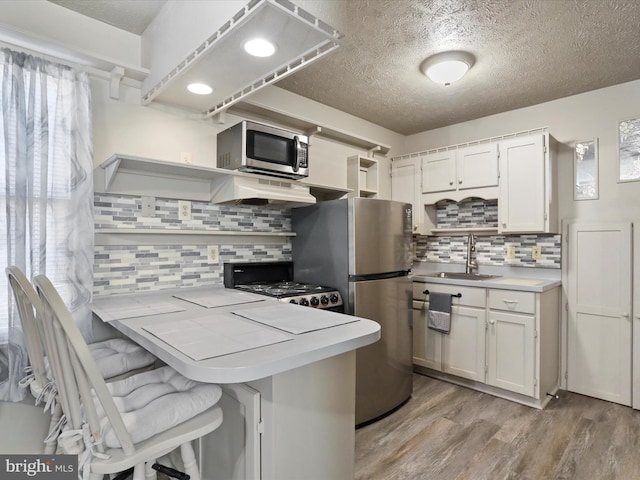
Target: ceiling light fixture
199,88
259,47
447,67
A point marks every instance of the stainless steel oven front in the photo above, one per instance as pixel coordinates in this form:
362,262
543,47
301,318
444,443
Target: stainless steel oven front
259,148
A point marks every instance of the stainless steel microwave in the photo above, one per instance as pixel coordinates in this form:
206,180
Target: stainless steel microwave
258,148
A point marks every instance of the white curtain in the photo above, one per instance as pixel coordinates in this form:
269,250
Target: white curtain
46,194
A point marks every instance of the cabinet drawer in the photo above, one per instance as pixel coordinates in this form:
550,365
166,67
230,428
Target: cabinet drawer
471,297
512,300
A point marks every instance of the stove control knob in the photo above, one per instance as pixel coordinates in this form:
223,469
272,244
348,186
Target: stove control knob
304,301
314,301
324,300
293,300
334,298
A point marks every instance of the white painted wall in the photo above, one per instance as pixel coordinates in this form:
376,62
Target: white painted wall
124,126
580,117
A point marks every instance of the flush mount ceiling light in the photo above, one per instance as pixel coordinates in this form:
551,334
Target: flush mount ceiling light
199,88
447,67
259,47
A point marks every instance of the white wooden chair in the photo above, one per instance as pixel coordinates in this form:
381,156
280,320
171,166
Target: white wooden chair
128,423
117,358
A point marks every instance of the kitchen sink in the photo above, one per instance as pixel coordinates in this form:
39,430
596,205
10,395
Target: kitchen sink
462,276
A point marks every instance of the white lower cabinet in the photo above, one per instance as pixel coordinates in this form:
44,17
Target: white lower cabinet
503,342
463,350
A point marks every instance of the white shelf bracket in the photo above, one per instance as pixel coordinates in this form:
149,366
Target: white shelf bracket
220,118
374,150
115,76
313,131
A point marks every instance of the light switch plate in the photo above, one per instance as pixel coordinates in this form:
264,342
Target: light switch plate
184,210
212,254
148,206
511,252
536,252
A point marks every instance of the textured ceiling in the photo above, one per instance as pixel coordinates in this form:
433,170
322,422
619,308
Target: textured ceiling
527,52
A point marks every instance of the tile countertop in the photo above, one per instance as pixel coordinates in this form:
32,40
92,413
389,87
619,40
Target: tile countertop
523,279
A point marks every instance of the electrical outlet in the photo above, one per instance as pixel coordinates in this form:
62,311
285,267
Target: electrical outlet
184,210
213,254
536,252
148,206
185,157
511,252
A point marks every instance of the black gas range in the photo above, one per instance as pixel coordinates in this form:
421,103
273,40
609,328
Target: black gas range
275,279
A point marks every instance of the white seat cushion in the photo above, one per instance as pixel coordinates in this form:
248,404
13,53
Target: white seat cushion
117,356
154,401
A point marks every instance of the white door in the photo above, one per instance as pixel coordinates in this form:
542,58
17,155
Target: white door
599,310
511,346
463,350
439,172
405,187
478,166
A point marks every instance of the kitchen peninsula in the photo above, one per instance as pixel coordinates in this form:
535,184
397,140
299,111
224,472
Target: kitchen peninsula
288,394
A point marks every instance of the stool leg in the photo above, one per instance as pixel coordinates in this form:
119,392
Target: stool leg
51,447
189,461
149,473
139,472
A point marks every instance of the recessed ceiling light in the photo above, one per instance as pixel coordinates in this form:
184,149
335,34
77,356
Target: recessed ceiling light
199,88
447,67
259,47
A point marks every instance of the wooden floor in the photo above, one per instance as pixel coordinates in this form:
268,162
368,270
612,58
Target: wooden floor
447,432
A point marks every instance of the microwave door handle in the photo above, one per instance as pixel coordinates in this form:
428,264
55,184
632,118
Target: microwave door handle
296,160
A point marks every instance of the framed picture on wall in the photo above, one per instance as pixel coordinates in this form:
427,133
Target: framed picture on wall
629,150
585,170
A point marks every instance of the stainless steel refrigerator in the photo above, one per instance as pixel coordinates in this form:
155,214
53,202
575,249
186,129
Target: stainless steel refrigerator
362,247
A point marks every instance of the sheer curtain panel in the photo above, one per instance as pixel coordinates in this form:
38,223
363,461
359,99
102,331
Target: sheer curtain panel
46,194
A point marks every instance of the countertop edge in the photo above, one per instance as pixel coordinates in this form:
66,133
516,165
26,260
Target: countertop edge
496,283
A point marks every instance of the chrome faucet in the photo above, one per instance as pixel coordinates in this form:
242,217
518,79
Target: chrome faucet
471,248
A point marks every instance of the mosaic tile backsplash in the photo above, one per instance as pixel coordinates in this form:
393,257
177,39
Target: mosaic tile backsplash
131,268
490,249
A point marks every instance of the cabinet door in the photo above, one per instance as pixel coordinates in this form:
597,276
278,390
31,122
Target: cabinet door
405,187
438,172
463,350
477,166
521,199
427,344
511,352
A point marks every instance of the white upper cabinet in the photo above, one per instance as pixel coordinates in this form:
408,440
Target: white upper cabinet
527,201
439,172
470,171
478,166
405,187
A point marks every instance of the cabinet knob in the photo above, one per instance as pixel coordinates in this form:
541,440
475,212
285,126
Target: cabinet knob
625,314
492,321
450,183
504,225
460,182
